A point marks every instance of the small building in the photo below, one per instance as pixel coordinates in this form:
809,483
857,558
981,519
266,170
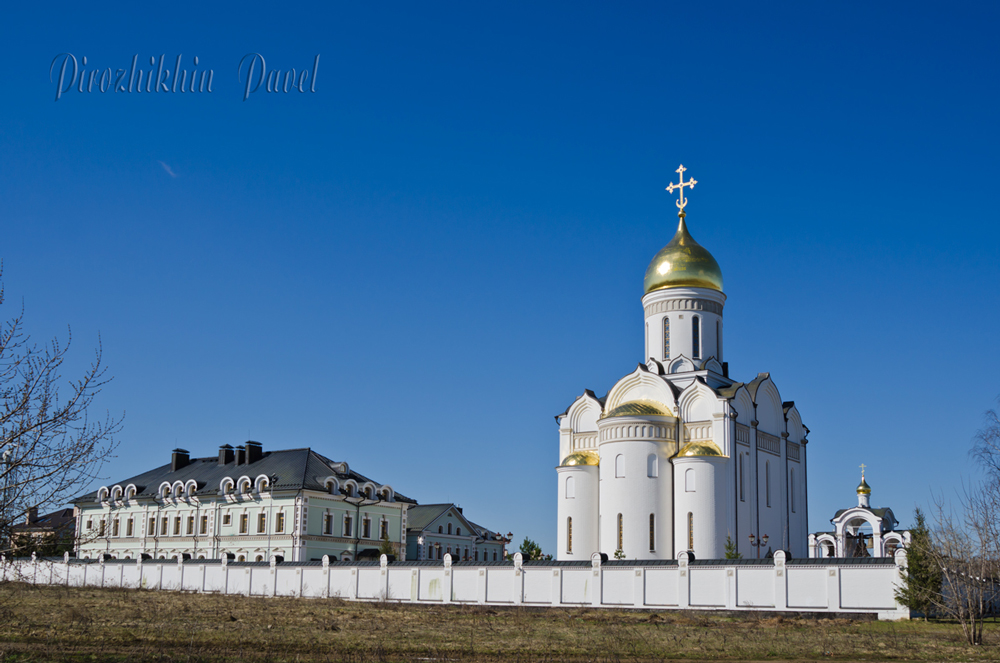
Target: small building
49,534
860,531
435,530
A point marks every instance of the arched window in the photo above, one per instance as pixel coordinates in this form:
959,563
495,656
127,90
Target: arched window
570,488
652,466
440,529
620,532
458,531
690,531
449,531
767,481
791,488
666,338
619,466
569,534
689,480
652,532
696,336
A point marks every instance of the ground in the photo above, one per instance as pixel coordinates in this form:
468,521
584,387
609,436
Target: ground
82,624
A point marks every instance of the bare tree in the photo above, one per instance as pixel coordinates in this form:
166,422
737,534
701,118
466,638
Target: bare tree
50,446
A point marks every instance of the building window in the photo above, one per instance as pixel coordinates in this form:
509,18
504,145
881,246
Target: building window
767,481
164,526
619,466
696,337
743,495
227,519
652,532
620,531
115,526
244,523
190,525
90,524
458,531
177,525
204,524
261,523
328,524
652,466
348,526
151,530
440,530
570,488
366,528
384,530
690,531
100,531
791,489
449,528
130,527
569,534
689,480
666,338
279,522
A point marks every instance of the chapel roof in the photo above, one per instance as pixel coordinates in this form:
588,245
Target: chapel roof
683,262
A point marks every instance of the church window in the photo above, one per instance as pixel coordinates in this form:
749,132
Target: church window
570,488
767,482
261,522
114,527
449,528
696,337
279,522
619,466
666,338
743,495
130,527
689,480
366,527
348,526
652,466
204,525
190,525
690,531
791,489
569,534
227,519
652,532
244,523
621,531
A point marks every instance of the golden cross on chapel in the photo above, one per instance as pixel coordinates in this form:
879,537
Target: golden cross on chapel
689,184
863,470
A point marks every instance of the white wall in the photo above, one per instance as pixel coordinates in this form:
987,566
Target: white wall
706,502
828,585
673,303
582,508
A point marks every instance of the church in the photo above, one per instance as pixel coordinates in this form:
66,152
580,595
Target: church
678,456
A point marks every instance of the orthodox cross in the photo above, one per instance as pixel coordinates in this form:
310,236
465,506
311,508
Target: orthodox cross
690,184
862,470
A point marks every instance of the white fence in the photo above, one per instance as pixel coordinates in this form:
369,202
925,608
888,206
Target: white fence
778,584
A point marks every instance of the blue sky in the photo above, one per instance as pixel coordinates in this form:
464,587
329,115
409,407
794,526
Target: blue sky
415,267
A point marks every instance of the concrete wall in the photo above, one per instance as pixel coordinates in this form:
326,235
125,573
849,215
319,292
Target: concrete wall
779,584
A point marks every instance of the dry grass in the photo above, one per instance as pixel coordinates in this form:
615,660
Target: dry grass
60,624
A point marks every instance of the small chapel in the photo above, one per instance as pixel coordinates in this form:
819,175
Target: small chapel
678,456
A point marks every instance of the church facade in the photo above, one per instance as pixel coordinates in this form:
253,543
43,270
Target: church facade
678,456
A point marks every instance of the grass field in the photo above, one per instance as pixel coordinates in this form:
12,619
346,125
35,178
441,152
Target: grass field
62,624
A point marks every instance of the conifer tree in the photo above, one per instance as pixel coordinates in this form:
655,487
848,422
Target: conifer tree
922,585
731,551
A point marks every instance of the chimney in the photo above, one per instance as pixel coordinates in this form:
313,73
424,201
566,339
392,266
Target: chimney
254,451
241,455
226,454
178,459
31,515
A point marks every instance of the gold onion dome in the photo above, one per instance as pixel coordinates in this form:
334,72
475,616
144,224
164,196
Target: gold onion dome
683,263
638,408
693,449
581,458
864,488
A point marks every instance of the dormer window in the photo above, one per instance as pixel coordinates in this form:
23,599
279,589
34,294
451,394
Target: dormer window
666,338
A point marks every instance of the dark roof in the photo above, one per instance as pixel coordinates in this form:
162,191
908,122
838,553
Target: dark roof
56,520
295,469
881,513
753,385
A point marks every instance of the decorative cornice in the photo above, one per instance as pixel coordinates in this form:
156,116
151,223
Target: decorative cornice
683,304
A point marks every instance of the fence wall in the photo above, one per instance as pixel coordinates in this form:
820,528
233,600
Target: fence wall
778,584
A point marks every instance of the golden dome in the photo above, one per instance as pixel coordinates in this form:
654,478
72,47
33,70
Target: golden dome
638,408
683,263
703,448
864,488
580,458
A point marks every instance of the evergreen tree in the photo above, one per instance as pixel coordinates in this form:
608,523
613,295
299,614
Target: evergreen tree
922,585
731,551
387,547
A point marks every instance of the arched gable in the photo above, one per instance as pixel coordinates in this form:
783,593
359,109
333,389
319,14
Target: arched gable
769,414
794,423
655,367
641,385
743,405
584,413
261,483
698,402
680,364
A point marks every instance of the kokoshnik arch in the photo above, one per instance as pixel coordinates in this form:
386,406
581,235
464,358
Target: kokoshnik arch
678,456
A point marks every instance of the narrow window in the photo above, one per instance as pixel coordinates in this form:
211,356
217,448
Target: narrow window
204,525
767,481
743,495
114,527
652,532
652,466
620,531
177,525
244,523
570,488
690,531
348,526
164,526
666,338
151,529
100,531
449,528
328,524
718,340
227,519
279,522
366,528
458,531
190,525
384,529
569,534
791,489
261,523
696,337
440,530
619,466
130,527
689,480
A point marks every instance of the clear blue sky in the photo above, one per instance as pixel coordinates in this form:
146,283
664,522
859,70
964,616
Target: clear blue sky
415,267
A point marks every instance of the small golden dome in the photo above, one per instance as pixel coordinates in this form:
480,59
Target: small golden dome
864,488
580,458
683,263
703,448
638,408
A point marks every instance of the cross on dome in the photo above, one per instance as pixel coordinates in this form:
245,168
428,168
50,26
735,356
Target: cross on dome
863,466
682,201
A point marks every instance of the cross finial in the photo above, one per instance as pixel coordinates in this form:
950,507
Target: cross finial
682,201
863,466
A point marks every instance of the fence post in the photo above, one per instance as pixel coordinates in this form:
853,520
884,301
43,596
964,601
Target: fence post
683,579
383,562
639,589
556,587
833,588
902,612
596,580
780,583
446,589
518,579
326,576
273,563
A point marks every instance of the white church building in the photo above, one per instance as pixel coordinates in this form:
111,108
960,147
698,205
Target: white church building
678,456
